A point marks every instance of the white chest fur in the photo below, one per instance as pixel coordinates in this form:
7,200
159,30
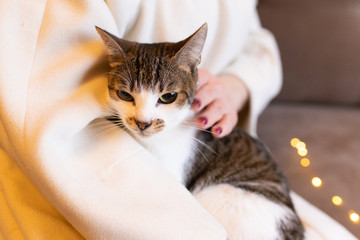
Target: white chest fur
173,149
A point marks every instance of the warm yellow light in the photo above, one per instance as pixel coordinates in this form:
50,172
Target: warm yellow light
302,152
294,141
316,182
354,217
337,200
305,162
301,146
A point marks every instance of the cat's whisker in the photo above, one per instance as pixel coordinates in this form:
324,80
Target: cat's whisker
191,126
205,145
111,114
99,121
196,128
102,125
201,152
122,126
109,111
97,126
106,116
189,122
118,125
100,128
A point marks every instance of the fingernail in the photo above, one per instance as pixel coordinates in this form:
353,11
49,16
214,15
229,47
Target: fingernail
218,130
197,103
203,120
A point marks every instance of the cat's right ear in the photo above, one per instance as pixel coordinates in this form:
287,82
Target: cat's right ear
190,49
116,47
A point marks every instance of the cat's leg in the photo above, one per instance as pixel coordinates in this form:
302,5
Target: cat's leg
243,214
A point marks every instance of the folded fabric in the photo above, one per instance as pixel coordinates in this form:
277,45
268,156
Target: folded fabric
107,187
60,176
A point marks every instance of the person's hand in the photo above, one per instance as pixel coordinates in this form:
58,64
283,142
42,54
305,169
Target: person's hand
217,102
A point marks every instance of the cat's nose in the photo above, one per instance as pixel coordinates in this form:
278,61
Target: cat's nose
142,125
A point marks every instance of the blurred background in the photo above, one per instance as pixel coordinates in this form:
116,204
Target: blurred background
313,126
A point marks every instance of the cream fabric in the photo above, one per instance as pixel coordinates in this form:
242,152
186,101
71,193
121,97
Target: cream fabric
61,180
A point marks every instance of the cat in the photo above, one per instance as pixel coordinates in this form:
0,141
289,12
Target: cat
151,89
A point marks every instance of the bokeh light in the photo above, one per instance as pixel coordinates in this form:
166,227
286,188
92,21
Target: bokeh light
336,200
316,182
303,152
294,141
301,146
354,217
305,162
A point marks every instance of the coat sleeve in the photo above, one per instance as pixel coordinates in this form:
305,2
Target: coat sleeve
258,65
62,175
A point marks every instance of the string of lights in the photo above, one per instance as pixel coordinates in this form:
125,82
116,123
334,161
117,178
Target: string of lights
316,181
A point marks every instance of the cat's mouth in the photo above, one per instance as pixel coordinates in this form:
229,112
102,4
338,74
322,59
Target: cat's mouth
142,133
145,128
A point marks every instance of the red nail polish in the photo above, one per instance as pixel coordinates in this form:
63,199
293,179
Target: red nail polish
218,130
203,120
197,103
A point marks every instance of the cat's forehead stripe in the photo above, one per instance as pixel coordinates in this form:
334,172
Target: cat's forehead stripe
159,63
138,65
148,63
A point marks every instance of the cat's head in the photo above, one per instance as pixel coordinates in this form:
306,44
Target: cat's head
152,86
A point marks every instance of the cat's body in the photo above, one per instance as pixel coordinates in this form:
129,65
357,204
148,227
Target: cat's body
151,88
251,187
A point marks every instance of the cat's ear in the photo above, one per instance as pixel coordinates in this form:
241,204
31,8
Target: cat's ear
116,47
191,48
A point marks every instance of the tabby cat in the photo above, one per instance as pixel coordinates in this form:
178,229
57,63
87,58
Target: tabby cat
151,88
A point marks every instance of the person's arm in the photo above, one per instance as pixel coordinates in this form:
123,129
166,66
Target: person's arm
258,66
104,183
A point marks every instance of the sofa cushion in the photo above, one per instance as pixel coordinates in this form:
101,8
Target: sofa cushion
332,135
319,45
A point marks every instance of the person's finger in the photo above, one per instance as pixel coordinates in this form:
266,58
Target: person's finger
205,95
225,125
203,77
212,114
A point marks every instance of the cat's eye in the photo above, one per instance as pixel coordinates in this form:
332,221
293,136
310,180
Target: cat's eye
168,98
125,96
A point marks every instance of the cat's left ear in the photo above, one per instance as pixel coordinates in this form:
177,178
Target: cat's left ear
191,48
116,47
